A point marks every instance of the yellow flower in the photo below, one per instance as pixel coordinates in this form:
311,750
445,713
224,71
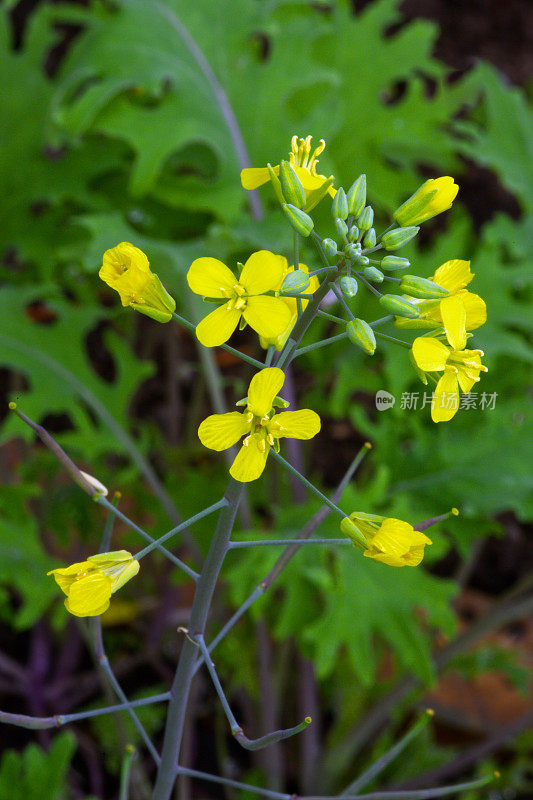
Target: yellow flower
386,539
127,270
89,584
264,428
245,297
430,199
454,276
460,367
290,302
303,162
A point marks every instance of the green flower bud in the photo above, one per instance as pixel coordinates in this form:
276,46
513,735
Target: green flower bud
353,233
363,261
292,189
422,288
395,304
352,251
395,262
360,333
395,239
300,221
373,274
366,218
330,247
341,228
356,196
370,238
348,286
296,281
274,180
339,207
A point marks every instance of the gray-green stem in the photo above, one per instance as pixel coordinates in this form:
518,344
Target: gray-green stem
179,693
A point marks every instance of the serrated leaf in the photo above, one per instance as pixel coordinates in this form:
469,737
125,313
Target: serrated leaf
54,359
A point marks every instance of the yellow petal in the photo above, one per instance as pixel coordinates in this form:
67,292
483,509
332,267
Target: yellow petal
476,310
467,374
453,275
303,424
217,327
209,277
89,596
121,259
268,316
65,576
252,177
309,181
220,431
453,314
397,544
446,399
250,461
430,354
264,387
262,272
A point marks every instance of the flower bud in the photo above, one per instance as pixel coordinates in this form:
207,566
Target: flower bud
394,262
276,185
430,199
348,286
350,529
422,288
292,189
352,251
360,333
339,207
357,196
296,281
365,219
341,228
353,233
330,247
300,221
395,304
370,238
397,238
363,261
373,274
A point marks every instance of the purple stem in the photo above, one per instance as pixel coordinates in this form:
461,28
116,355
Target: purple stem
294,447
220,95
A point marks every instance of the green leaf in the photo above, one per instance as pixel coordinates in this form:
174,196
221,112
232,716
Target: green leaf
36,772
23,560
54,360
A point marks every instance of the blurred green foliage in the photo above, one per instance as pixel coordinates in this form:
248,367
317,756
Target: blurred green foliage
138,136
35,770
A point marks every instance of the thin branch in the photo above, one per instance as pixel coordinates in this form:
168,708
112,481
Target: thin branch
103,663
41,723
206,776
281,542
125,772
201,514
244,741
308,484
316,520
249,360
175,560
393,752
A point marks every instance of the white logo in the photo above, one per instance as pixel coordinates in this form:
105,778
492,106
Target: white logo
384,400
